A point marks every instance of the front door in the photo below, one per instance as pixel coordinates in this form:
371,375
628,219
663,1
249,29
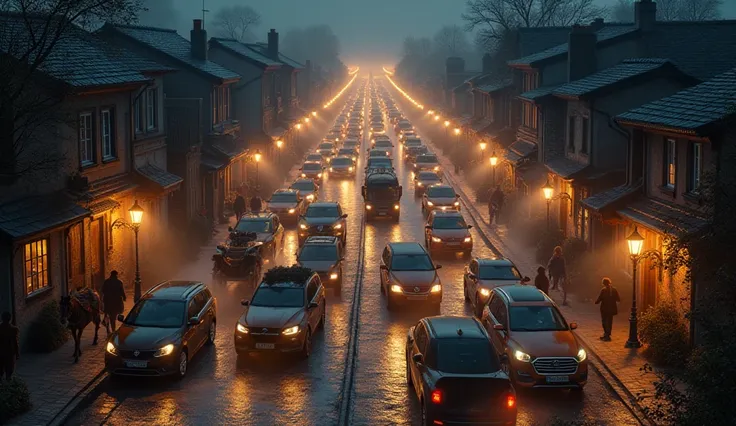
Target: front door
96,254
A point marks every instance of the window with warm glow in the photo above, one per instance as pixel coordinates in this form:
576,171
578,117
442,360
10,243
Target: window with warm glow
670,160
35,265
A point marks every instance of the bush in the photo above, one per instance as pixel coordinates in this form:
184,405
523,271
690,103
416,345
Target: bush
662,327
15,399
548,240
46,333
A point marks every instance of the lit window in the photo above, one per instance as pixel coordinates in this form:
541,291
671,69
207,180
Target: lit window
86,139
151,109
35,265
670,166
107,119
696,167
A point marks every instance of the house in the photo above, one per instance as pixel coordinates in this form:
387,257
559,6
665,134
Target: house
455,77
216,138
674,141
57,230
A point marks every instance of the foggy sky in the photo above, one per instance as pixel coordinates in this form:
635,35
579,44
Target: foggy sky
370,31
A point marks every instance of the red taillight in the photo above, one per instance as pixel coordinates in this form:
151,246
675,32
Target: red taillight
436,396
510,401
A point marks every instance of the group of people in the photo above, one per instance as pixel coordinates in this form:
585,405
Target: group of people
256,205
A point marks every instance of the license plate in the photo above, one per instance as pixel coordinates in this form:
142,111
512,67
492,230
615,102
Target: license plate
453,244
265,345
136,364
382,213
416,297
558,379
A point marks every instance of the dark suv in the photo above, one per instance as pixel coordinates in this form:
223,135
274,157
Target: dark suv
323,219
323,255
163,331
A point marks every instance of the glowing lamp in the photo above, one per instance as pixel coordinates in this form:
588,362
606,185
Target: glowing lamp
436,117
635,242
483,146
447,123
494,159
136,214
547,190
279,144
257,156
457,131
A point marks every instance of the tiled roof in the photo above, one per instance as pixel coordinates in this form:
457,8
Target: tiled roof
538,93
209,162
244,51
31,215
606,33
690,109
604,199
103,206
109,187
262,49
519,150
625,71
159,176
496,85
175,46
564,167
536,39
663,216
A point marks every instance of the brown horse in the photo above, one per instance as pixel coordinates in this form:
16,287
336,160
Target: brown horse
78,313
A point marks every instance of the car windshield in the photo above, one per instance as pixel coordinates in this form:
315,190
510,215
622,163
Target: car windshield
441,192
424,177
346,151
426,159
466,356
303,186
253,225
413,142
317,252
350,144
314,157
312,167
157,313
380,162
322,211
382,192
411,262
342,162
284,197
325,146
278,297
383,144
536,318
456,222
499,272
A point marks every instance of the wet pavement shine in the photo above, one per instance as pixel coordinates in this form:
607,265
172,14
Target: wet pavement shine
270,390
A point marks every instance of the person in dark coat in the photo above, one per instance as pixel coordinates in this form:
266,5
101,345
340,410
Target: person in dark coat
541,281
256,204
239,206
9,346
113,298
557,268
608,298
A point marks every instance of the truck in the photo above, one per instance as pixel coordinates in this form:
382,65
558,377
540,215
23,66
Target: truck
382,194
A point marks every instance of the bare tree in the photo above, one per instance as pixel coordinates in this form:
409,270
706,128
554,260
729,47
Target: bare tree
318,43
451,40
699,10
671,10
33,91
494,17
236,22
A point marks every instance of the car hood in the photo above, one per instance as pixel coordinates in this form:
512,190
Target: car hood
130,337
311,172
545,343
263,236
414,277
281,205
489,284
342,166
318,265
450,233
442,201
269,317
320,220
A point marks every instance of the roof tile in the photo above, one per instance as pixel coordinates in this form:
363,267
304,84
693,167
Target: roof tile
27,216
626,70
243,50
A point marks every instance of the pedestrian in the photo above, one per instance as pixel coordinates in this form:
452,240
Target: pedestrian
557,268
541,281
9,346
608,298
239,206
113,298
495,203
256,204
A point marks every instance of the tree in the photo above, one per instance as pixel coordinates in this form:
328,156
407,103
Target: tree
451,40
318,44
671,10
236,22
493,18
30,101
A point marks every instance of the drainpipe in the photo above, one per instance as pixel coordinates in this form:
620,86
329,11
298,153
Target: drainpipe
11,282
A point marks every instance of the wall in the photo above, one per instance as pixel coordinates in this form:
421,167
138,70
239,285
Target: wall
579,110
247,99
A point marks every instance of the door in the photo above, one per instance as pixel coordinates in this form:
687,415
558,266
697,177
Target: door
96,254
195,330
472,277
498,316
386,263
313,313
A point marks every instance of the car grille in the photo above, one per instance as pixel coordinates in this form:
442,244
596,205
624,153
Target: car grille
255,331
552,366
142,355
411,289
326,229
453,240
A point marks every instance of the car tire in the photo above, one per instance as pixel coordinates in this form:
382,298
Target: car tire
323,317
307,347
408,372
183,364
465,291
212,333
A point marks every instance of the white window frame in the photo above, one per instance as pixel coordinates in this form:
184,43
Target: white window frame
696,167
86,139
107,133
670,163
36,265
151,108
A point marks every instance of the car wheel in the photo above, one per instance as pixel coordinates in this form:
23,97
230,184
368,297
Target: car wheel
211,334
307,348
478,308
408,372
323,317
183,363
465,290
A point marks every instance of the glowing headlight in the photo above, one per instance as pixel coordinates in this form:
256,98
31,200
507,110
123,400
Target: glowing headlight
485,292
582,355
350,169
430,204
290,331
333,276
111,349
415,164
331,169
166,350
396,206
368,207
521,356
457,203
396,288
303,226
436,240
242,329
436,168
304,175
338,226
310,197
467,239
436,288
292,211
419,184
320,175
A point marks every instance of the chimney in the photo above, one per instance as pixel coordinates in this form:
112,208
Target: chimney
487,63
198,41
273,44
581,59
645,12
597,24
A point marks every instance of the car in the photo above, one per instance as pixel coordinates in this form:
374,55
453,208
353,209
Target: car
384,144
312,170
326,149
537,347
325,218
379,163
427,161
440,197
323,255
287,204
376,153
347,152
315,158
268,229
407,134
483,275
307,188
352,143
342,166
453,370
163,331
411,153
408,275
447,230
412,141
423,180
287,308
403,125
380,137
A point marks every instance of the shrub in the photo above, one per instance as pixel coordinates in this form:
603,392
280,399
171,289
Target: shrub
46,333
15,399
548,240
662,327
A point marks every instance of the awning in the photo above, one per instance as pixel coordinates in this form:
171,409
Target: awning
520,150
663,217
533,176
39,213
103,206
211,163
610,198
159,180
565,167
112,186
277,133
538,93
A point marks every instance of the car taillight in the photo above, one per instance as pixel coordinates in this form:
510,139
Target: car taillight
510,401
436,396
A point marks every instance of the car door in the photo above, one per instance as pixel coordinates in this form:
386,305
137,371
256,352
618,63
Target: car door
419,346
193,334
499,315
209,310
386,264
312,313
472,281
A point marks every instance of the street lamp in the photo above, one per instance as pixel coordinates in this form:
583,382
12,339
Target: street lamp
494,163
636,242
436,117
314,113
136,217
257,157
306,120
483,147
548,191
279,145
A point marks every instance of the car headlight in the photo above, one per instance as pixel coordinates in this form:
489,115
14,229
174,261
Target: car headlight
302,226
457,203
396,289
468,239
111,349
292,211
582,355
290,331
436,168
419,184
436,288
331,169
166,350
430,204
338,226
415,164
396,206
310,197
242,329
350,168
368,207
521,356
436,240
304,175
485,292
320,175
333,276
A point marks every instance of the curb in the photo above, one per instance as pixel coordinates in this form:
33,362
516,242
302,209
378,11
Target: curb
62,416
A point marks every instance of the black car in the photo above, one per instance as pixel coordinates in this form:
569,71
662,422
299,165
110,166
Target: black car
456,374
323,219
268,229
163,331
323,255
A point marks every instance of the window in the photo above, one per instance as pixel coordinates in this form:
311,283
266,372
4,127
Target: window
214,106
420,337
529,115
107,120
226,103
36,266
585,147
670,159
571,134
138,114
86,139
311,290
151,109
696,166
498,309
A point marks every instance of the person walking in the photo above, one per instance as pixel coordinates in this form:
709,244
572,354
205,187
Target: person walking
239,206
541,281
608,298
495,204
9,346
113,298
557,268
256,204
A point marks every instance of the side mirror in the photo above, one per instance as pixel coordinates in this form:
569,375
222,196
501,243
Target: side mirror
344,216
418,358
245,302
193,321
470,226
573,325
498,327
121,318
313,305
229,229
526,279
437,267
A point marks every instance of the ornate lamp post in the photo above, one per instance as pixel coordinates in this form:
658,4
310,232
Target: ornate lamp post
548,190
636,243
483,147
136,217
279,145
257,157
494,163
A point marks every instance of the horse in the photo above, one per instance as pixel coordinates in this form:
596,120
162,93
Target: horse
78,316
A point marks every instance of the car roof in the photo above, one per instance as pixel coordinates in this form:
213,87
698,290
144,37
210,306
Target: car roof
446,213
321,240
494,261
256,215
523,294
453,326
174,290
441,185
407,248
324,204
304,180
289,191
426,173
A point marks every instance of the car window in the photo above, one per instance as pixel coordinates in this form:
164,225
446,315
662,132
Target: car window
474,267
444,222
303,186
499,272
498,309
157,313
386,257
312,167
318,252
342,162
276,222
411,262
441,192
421,338
466,356
311,290
207,294
284,197
278,297
426,159
256,225
200,300
322,211
536,318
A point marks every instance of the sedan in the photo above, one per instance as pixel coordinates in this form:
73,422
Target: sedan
342,166
408,275
447,230
326,149
323,219
483,275
427,162
347,152
288,204
440,197
315,158
312,171
307,189
422,180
